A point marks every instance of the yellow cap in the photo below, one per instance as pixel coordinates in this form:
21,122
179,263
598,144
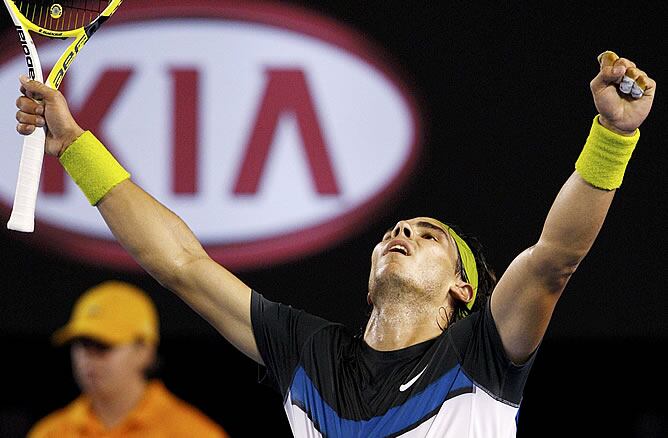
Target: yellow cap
113,313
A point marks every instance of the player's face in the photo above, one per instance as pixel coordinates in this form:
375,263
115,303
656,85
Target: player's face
418,253
104,370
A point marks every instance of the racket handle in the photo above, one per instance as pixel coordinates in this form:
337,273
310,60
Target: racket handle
30,169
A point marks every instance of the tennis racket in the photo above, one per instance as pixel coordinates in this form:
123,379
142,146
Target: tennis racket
61,19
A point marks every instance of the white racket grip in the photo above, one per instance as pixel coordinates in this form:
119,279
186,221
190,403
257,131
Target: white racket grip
27,184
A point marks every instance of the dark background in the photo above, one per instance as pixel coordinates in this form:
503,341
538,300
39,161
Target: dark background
505,91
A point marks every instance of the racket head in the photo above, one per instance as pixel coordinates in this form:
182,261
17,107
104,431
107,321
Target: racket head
63,18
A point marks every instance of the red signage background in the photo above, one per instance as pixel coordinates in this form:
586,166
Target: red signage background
286,91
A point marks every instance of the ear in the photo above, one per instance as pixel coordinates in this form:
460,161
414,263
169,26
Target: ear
462,291
146,354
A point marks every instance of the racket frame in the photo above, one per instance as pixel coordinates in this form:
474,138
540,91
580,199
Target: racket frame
22,217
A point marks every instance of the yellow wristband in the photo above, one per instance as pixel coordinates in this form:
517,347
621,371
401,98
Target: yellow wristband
605,155
92,167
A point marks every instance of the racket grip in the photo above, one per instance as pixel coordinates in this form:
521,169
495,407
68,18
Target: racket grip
27,184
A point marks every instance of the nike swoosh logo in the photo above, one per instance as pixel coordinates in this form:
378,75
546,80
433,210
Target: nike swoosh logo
408,384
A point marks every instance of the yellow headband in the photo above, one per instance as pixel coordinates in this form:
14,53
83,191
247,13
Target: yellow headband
468,262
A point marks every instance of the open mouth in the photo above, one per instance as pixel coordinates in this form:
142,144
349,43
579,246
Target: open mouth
398,248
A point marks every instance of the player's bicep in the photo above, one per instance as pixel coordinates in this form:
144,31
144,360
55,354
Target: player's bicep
524,299
222,299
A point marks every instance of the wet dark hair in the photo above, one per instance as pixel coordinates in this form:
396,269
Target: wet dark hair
486,276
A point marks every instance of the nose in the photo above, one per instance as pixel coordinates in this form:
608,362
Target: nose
402,228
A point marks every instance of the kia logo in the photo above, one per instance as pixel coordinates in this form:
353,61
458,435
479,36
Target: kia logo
272,131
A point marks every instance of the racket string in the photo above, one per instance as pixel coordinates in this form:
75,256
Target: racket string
59,15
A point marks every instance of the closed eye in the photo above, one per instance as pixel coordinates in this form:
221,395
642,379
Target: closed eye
429,236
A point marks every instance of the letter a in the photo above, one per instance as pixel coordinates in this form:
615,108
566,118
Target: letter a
286,92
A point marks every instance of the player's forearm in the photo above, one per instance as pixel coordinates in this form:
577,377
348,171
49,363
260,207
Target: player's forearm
581,206
155,237
574,221
166,248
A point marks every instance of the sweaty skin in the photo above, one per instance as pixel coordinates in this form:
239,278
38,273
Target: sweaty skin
407,293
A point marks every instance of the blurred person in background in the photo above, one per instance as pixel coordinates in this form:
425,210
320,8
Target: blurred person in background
113,334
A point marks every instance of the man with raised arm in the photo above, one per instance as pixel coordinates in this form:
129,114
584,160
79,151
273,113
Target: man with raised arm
441,355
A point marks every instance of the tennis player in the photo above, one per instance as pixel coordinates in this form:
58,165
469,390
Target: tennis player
441,356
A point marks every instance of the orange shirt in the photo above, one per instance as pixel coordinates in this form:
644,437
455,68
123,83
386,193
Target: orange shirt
160,414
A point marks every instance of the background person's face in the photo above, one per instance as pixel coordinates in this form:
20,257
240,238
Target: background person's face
103,370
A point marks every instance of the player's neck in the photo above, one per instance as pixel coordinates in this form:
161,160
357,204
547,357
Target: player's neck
396,326
113,409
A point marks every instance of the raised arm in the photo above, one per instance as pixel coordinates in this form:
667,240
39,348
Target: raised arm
527,293
156,237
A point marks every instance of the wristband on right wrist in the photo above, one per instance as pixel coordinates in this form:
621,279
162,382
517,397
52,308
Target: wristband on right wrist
604,157
92,167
